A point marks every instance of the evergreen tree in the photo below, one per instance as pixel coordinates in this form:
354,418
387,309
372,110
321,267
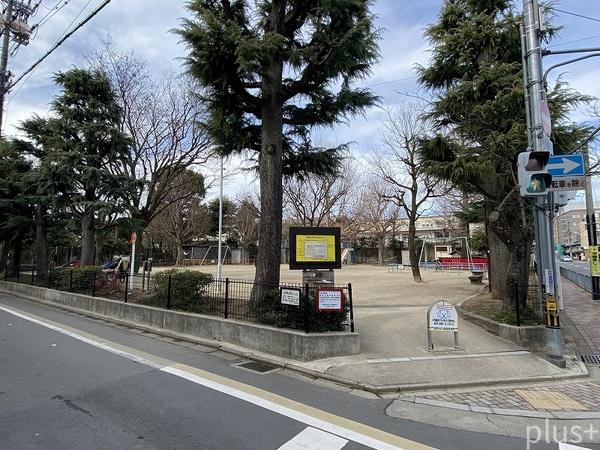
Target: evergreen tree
272,70
79,141
15,208
475,74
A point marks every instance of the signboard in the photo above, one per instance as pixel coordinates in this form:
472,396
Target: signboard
133,237
546,118
567,184
290,296
566,165
330,299
442,317
315,248
549,281
594,261
551,305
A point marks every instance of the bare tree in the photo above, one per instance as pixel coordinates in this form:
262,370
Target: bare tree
184,216
319,200
397,163
162,118
246,224
375,215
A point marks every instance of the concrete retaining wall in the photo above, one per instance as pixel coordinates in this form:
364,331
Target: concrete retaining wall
530,337
277,341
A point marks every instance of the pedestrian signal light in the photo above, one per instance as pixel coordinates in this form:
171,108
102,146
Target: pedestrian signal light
534,179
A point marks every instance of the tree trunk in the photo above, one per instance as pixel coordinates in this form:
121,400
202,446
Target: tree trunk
180,254
3,256
41,240
412,251
17,246
270,172
500,261
380,250
88,234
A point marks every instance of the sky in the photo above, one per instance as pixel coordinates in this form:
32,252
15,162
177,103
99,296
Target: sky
144,27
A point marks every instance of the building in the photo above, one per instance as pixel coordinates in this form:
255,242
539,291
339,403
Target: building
570,228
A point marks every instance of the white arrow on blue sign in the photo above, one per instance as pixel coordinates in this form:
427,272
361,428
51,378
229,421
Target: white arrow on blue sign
566,165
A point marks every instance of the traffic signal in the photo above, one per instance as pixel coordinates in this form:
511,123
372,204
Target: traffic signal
534,179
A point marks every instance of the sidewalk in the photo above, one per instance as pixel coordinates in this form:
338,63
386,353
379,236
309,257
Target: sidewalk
581,320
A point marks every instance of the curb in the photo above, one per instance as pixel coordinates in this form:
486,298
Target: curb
561,415
314,374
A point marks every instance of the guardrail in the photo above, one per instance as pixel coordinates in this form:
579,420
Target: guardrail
582,280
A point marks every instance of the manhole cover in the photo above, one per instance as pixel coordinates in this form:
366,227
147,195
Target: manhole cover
591,359
258,366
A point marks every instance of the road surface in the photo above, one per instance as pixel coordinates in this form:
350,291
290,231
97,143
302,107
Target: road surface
70,382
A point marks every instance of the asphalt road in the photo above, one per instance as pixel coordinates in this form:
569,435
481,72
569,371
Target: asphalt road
70,382
577,266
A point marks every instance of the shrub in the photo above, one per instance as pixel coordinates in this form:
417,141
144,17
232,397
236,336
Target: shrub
83,278
270,311
187,288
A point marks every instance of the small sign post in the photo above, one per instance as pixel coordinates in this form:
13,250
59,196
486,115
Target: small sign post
330,300
441,316
290,296
594,260
133,239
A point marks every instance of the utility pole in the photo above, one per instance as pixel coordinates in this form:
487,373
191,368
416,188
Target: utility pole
544,206
590,223
8,19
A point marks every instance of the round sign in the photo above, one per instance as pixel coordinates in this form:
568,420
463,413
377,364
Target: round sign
133,237
442,316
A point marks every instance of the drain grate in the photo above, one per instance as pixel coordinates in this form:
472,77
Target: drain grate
591,359
258,366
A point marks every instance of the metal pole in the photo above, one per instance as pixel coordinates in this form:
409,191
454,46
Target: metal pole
4,58
219,262
590,221
546,263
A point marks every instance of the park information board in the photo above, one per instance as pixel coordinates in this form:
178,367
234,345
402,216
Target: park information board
330,299
315,248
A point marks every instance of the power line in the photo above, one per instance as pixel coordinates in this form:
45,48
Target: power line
576,14
574,41
14,94
58,44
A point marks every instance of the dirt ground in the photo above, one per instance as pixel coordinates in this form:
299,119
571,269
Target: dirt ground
373,285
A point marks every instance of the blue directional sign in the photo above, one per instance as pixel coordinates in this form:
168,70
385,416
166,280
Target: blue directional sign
566,165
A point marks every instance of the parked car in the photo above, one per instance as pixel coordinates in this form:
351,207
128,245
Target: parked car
567,258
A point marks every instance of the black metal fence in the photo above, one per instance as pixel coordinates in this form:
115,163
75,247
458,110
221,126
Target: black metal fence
199,293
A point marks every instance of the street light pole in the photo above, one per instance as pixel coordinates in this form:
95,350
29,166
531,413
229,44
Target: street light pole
219,253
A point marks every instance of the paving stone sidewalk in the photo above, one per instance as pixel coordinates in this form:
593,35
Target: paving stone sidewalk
572,400
581,318
560,400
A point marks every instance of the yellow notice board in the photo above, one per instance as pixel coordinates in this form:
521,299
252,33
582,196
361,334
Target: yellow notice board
315,248
594,261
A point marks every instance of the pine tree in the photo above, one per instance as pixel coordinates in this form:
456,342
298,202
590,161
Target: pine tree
272,70
79,141
475,74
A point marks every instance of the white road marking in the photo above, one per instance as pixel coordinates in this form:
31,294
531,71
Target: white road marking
570,447
263,399
313,439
